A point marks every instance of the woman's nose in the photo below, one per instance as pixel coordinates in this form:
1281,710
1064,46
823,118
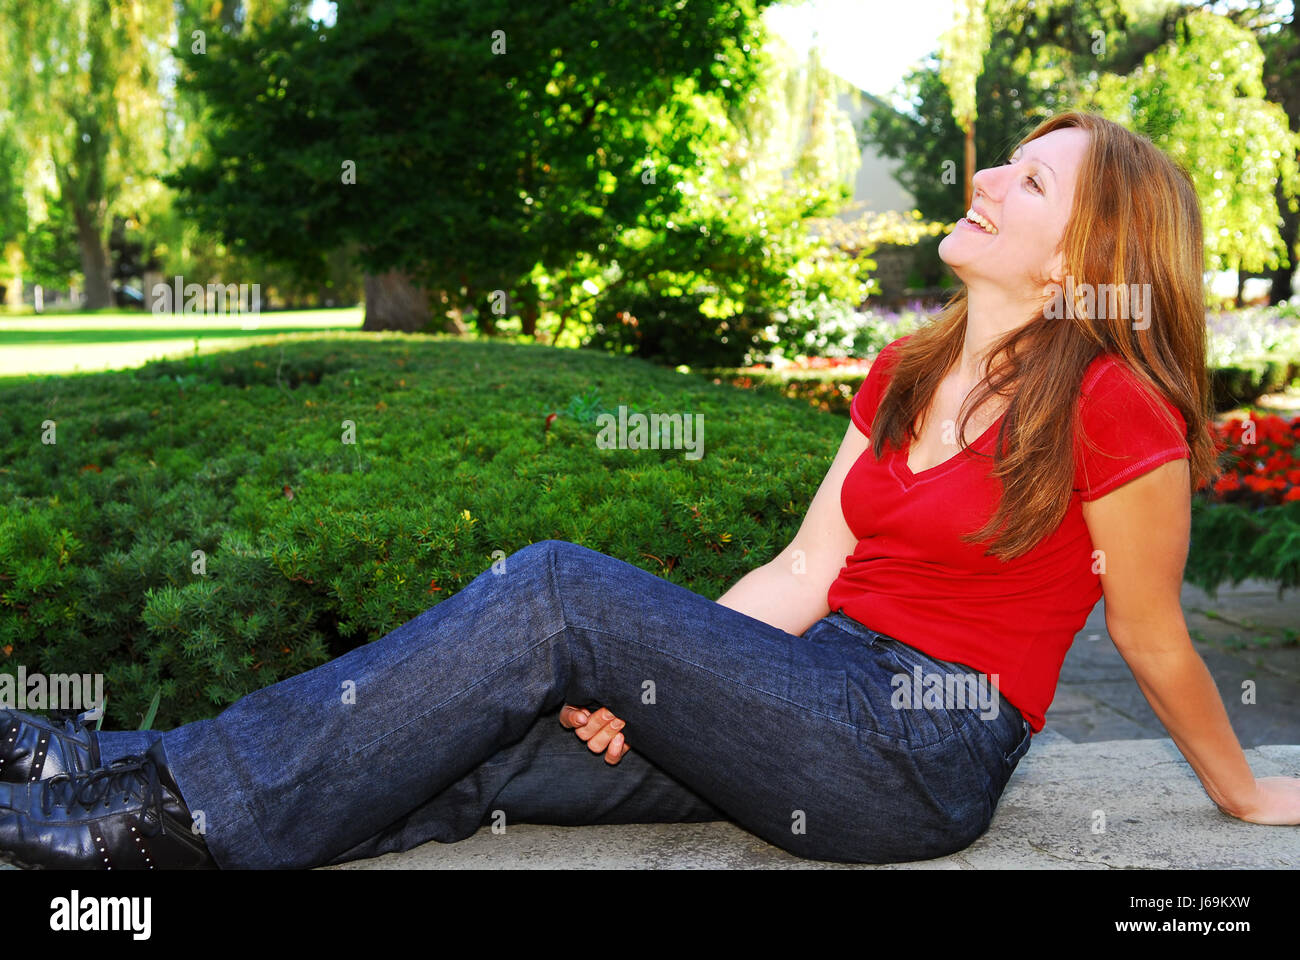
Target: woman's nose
982,182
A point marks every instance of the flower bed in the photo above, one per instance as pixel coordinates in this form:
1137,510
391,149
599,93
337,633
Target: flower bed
1259,456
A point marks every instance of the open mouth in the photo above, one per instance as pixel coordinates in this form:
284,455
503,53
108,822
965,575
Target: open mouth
980,222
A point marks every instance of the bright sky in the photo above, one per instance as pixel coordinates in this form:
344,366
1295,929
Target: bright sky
868,42
871,43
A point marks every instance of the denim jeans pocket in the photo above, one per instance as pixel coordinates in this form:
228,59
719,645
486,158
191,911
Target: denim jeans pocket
1025,736
1005,737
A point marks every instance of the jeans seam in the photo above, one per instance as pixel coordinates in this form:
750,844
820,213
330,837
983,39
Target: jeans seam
557,600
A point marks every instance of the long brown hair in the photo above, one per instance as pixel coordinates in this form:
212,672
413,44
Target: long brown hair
1136,220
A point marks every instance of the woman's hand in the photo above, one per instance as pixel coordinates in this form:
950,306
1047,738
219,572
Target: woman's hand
1277,802
601,731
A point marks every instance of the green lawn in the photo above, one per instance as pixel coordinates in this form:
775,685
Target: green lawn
113,340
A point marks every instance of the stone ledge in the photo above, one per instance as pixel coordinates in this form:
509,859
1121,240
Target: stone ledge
1156,815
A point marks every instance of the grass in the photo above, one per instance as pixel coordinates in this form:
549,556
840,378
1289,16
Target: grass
62,343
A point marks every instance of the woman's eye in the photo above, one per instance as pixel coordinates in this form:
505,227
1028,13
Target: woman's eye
1030,181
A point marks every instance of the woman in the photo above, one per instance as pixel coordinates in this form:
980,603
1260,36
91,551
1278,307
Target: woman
816,702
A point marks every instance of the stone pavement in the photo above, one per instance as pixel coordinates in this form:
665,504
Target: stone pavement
1102,785
1238,635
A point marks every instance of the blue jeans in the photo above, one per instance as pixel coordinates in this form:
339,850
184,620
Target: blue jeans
449,723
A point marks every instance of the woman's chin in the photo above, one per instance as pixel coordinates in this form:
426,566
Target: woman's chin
949,251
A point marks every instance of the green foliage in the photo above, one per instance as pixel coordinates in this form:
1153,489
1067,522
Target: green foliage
671,329
477,156
626,160
49,246
1231,543
962,61
585,407
152,711
312,546
1201,99
13,207
82,82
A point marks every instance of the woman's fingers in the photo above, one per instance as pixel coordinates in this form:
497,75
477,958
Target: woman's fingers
598,741
596,721
571,716
617,749
600,729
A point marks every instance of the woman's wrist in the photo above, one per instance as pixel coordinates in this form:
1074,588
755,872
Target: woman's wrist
1242,803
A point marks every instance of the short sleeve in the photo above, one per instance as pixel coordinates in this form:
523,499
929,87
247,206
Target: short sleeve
863,408
1131,431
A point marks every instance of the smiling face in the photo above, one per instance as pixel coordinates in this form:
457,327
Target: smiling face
1028,200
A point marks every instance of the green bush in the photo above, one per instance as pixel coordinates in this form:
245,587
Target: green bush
313,546
1231,543
672,330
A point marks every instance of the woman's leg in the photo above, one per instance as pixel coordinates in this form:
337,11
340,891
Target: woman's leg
759,722
550,776
122,743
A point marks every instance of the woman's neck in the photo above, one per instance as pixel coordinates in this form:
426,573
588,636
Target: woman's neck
991,312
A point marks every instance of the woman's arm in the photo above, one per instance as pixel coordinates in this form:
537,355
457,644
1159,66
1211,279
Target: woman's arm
789,592
1142,531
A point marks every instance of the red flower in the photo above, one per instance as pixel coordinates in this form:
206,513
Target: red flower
1227,483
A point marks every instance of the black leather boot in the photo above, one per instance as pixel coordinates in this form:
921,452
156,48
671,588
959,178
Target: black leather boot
34,748
128,815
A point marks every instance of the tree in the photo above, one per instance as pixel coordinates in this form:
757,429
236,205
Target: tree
1201,98
13,212
456,145
961,62
1277,30
747,264
80,77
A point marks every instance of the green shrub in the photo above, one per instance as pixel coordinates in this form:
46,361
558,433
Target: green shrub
1231,543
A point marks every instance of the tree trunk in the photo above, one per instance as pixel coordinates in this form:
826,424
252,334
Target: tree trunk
1283,285
970,162
94,260
14,290
394,303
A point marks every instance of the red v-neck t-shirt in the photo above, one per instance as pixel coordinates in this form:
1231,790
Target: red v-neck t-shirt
912,578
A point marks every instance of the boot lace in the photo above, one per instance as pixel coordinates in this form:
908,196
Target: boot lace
133,776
